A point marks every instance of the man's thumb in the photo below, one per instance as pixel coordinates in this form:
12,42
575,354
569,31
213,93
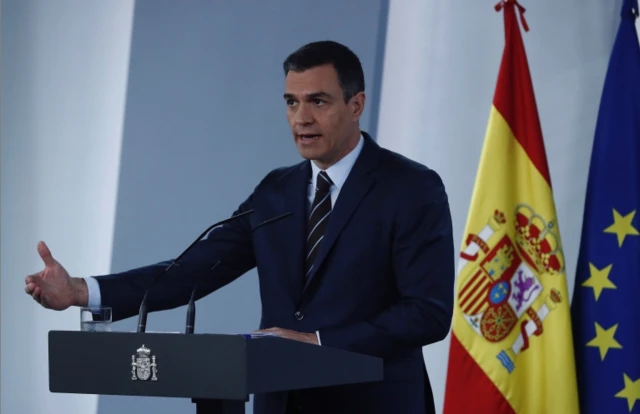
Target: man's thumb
45,254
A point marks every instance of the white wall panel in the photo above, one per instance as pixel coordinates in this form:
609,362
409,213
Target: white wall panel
64,78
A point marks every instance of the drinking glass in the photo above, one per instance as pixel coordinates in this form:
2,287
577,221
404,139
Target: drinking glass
95,319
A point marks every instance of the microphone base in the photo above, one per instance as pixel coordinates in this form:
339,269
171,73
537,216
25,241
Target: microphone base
206,406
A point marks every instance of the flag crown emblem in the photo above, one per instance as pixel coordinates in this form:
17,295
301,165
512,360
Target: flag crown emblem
538,240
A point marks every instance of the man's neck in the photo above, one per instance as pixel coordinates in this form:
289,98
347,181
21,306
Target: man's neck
351,145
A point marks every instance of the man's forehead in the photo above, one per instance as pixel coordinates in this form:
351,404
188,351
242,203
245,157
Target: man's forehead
311,83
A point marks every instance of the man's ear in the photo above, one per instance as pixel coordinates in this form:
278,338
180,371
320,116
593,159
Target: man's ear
357,105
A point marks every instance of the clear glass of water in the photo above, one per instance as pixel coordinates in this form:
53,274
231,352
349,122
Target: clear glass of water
96,319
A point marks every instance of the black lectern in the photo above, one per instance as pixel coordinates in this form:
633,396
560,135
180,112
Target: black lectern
216,371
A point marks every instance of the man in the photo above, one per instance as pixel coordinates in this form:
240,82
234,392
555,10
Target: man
365,263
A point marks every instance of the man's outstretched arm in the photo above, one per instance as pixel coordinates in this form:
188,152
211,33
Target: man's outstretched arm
230,243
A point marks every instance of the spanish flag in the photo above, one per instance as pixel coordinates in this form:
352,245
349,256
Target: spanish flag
511,348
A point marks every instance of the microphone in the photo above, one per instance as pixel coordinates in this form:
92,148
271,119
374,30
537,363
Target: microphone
191,309
142,314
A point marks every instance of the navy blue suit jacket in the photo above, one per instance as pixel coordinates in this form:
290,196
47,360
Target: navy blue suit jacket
382,284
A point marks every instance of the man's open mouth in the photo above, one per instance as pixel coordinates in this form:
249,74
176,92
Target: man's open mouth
309,137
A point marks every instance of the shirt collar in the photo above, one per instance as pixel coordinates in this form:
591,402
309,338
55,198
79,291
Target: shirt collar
339,171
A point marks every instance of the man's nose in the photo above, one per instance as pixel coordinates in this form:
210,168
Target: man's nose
303,115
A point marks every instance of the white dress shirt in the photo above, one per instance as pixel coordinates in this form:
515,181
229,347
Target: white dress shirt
338,174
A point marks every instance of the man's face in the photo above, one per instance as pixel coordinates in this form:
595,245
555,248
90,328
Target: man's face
324,127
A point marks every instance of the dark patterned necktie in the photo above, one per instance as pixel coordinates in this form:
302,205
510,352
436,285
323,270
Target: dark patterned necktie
318,219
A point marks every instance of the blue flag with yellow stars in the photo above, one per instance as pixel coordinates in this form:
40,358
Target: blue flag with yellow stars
606,306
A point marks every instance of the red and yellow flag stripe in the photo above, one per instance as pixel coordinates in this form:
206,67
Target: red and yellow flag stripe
511,348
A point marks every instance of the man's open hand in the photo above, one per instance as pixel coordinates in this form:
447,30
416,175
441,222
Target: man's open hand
52,287
310,338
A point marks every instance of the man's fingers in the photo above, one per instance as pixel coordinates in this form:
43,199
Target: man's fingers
283,333
36,294
32,281
30,288
269,330
310,338
45,254
32,278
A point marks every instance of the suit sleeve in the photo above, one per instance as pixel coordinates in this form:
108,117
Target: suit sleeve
424,267
232,243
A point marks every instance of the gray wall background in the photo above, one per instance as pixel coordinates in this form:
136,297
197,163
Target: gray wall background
204,122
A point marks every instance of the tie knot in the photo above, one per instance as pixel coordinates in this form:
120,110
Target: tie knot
323,182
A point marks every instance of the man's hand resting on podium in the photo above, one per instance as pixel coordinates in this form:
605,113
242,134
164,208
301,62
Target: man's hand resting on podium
310,338
52,287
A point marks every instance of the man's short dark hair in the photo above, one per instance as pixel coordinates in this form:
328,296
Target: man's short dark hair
345,62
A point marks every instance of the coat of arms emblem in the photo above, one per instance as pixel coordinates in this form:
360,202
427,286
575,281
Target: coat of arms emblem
505,277
143,365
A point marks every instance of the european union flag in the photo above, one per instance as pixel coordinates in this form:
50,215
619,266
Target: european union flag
606,305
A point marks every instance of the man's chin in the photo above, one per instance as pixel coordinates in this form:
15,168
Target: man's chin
308,153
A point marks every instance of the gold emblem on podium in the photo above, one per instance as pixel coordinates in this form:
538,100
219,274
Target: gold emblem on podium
143,365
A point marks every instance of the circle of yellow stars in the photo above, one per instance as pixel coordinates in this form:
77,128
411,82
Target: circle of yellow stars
599,280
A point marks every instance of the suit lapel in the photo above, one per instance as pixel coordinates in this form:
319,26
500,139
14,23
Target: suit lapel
357,185
296,202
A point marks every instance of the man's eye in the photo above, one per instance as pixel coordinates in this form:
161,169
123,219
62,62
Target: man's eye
290,102
318,101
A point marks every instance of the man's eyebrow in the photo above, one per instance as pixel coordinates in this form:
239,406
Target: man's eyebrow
318,95
314,95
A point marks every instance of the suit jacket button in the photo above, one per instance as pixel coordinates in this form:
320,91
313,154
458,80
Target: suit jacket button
299,315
